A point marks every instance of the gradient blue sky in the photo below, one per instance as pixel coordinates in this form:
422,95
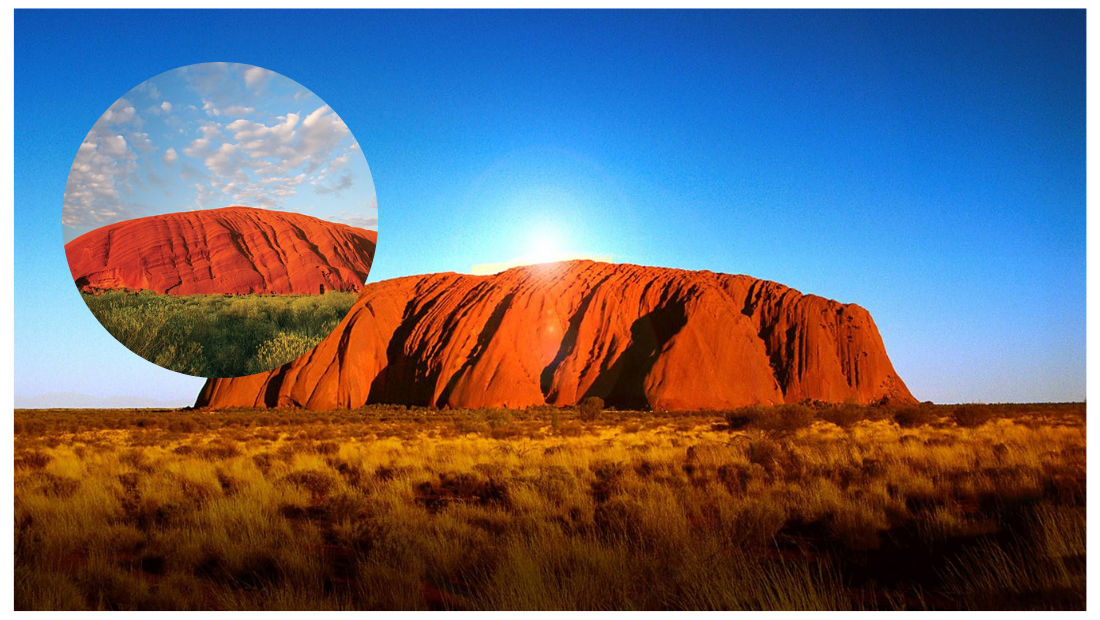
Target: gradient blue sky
929,166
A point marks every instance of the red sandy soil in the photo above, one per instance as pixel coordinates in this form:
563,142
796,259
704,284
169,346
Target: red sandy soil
230,250
634,336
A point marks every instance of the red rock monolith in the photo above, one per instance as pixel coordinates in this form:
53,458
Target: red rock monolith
558,333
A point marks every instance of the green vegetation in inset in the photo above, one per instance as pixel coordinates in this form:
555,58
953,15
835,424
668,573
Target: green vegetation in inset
219,335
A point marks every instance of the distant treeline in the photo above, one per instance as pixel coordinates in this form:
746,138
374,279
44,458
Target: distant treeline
219,335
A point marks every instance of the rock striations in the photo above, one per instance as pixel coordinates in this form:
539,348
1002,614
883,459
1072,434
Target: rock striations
231,250
557,333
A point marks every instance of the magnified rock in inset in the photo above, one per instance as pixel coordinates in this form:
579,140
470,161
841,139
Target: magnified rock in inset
234,250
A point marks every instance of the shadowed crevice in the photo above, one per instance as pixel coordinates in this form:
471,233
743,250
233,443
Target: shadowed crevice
569,341
483,339
274,384
399,370
622,385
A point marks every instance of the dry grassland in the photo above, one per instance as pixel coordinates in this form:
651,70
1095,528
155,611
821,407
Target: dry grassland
393,508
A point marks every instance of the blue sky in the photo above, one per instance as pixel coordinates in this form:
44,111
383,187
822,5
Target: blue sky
929,166
212,135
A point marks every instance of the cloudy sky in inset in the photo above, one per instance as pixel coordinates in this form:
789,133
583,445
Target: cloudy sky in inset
214,135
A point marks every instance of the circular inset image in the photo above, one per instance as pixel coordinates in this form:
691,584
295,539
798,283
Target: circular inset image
219,220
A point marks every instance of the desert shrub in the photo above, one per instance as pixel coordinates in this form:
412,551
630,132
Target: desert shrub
51,485
785,419
843,416
504,432
344,507
555,482
34,459
765,453
182,426
778,419
742,418
569,429
912,417
497,417
218,451
971,416
609,479
590,407
318,483
327,447
619,518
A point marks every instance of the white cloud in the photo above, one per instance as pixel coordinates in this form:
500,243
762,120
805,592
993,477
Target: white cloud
237,110
261,140
260,149
321,132
141,142
99,180
199,149
344,183
369,223
107,169
224,161
265,193
257,78
335,164
210,130
221,159
270,153
232,110
167,107
205,196
120,112
170,157
358,220
292,145
114,146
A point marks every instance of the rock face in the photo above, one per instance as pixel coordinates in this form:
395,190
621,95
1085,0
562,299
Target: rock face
231,250
634,336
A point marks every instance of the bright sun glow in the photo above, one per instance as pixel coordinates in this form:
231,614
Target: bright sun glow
543,245
544,248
